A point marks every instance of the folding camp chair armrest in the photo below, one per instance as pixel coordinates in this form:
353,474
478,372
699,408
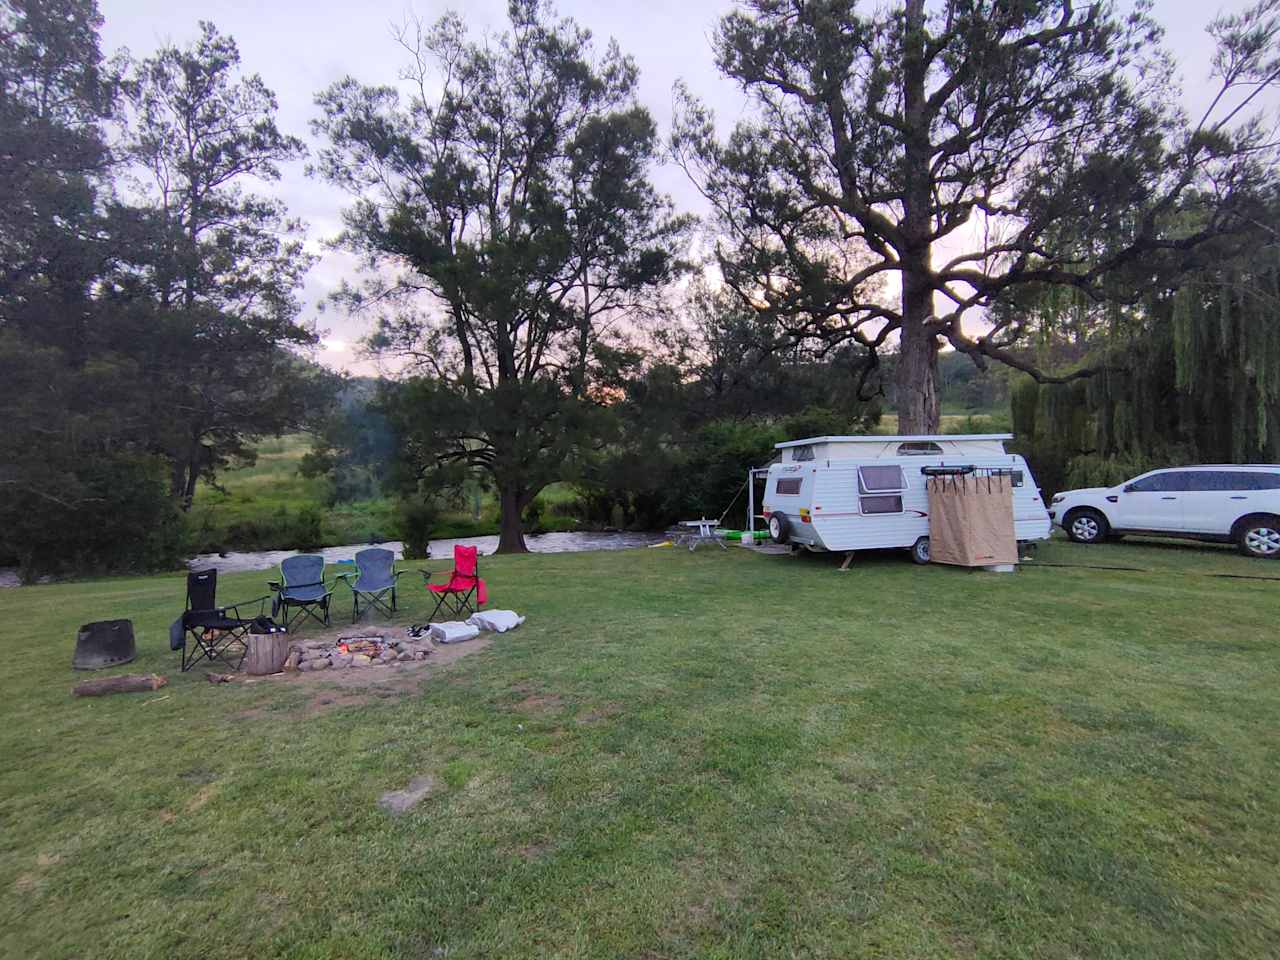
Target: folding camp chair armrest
275,586
260,601
427,574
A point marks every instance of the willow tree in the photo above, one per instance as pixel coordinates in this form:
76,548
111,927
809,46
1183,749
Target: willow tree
907,168
504,208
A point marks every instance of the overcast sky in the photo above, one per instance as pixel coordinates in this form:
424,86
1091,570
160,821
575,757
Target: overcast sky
301,46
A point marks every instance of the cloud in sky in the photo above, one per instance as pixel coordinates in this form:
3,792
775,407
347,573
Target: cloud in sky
301,46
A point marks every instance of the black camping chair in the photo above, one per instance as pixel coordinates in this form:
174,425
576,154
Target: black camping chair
217,632
301,586
375,581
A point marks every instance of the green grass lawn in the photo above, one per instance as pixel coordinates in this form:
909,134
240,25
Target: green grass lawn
707,755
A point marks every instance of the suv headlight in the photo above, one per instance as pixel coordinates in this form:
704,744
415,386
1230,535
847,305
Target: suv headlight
1057,498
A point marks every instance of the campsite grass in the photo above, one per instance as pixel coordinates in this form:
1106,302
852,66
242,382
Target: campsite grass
711,755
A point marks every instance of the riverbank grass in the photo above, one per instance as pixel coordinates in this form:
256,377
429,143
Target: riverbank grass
679,755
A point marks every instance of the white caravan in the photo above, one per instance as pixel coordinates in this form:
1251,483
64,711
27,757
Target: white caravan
866,493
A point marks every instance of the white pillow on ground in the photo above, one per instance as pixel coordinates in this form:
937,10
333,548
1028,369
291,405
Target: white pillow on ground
453,631
499,620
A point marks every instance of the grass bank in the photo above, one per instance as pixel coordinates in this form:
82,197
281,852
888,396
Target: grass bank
271,506
710,755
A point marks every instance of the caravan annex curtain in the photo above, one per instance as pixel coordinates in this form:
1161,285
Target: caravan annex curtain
971,521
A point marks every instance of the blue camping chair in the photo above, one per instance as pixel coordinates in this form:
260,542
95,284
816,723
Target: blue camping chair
301,586
375,580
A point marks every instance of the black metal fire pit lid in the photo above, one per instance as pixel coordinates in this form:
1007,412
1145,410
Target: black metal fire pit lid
105,643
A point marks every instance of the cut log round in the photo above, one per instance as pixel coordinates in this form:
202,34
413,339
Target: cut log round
267,653
129,683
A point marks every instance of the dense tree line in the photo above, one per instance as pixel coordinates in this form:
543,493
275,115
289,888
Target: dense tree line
914,191
147,297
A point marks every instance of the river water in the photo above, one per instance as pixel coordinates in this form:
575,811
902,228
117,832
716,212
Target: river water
537,543
439,549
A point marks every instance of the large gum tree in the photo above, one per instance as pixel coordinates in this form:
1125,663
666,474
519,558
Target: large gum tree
504,208
908,168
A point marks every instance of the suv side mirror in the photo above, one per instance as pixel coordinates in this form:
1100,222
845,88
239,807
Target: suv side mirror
1128,488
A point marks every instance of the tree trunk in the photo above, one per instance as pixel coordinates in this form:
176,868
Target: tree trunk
267,653
918,348
917,362
511,534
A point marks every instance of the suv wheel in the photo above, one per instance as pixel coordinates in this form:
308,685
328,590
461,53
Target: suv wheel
1086,526
1259,536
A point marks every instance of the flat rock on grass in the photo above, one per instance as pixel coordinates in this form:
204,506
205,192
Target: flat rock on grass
396,802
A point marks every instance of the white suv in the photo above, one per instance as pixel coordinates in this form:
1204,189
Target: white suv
1226,504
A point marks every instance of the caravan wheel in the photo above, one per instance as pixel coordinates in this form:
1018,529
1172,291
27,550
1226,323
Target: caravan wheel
920,551
778,527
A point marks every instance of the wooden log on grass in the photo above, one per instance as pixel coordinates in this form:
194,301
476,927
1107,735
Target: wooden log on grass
267,653
128,683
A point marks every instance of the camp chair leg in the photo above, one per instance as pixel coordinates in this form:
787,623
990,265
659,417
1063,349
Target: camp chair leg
374,601
216,649
305,610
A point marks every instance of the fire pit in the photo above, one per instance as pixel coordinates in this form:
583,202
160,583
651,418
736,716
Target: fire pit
355,651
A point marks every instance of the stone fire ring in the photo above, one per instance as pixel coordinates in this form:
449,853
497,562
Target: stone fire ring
356,648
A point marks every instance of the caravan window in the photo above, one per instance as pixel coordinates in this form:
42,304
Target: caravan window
788,487
919,448
885,485
802,453
881,504
881,479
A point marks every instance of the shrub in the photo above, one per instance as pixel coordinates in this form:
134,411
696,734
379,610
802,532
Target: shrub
121,520
307,529
417,520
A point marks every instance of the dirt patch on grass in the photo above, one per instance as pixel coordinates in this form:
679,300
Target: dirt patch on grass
597,714
203,796
336,689
536,703
397,802
323,703
534,851
398,677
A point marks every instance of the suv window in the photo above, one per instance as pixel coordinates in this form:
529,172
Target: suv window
1220,480
1236,480
1168,482
1260,481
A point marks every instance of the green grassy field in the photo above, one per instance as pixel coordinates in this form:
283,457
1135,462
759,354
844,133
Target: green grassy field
707,755
258,508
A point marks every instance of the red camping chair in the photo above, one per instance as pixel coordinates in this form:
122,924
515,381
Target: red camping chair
465,592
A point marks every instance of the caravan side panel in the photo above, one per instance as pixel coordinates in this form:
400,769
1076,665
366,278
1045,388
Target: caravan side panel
841,524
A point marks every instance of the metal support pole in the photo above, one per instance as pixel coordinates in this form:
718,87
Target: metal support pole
751,501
